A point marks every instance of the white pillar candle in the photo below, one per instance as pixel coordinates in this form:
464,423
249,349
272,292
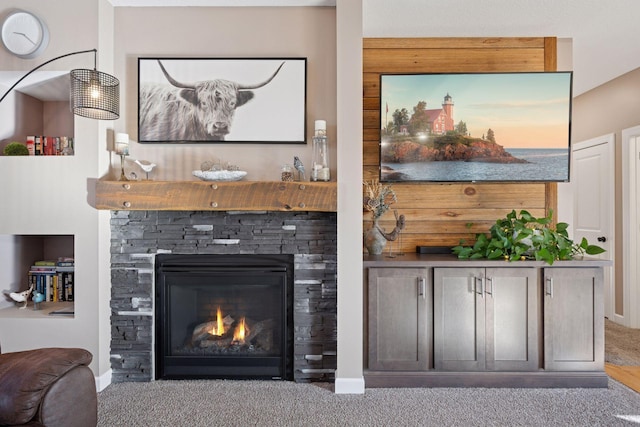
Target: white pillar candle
324,174
320,127
122,144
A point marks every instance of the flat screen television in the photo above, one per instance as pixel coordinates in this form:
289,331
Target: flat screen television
475,127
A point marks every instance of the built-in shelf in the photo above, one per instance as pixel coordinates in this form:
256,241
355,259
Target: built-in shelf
21,252
43,98
44,311
213,196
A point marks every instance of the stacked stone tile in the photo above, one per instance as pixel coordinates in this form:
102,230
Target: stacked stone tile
137,236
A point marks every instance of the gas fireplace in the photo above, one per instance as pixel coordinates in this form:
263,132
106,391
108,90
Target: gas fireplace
308,239
224,316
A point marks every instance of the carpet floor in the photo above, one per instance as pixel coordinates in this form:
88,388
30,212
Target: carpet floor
621,344
281,403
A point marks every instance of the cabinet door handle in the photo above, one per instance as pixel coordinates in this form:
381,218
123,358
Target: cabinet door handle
489,288
549,287
481,291
422,287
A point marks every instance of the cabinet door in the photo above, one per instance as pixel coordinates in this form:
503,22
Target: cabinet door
459,319
512,309
399,319
573,319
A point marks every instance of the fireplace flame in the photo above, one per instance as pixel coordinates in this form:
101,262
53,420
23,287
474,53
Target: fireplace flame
218,328
240,332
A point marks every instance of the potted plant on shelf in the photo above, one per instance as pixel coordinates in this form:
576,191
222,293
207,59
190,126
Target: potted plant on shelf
15,149
523,236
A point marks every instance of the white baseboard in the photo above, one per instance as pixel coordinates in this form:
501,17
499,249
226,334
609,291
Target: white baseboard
349,385
103,381
620,320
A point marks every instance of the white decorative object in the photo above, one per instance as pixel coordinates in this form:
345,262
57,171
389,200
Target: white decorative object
222,175
21,296
146,166
320,160
24,34
297,163
122,144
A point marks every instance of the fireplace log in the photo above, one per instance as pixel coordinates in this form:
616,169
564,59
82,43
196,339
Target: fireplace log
203,330
260,334
219,342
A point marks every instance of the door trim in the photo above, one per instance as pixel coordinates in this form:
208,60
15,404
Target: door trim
630,228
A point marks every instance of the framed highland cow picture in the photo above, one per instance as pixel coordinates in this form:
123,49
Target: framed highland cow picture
222,100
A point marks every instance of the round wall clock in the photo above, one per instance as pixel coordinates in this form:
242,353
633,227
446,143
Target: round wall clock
24,34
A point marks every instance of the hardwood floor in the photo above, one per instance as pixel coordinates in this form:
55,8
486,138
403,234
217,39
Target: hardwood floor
627,375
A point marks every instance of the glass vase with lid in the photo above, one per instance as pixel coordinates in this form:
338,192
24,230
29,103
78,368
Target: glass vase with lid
320,170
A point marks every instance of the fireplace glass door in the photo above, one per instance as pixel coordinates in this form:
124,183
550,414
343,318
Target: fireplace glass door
223,316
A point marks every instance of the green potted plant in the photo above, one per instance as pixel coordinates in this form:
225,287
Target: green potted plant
15,149
523,236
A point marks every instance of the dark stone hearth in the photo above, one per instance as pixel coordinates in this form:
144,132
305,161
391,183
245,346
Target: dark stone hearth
137,236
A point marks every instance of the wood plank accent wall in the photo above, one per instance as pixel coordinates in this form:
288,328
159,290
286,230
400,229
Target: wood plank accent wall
442,214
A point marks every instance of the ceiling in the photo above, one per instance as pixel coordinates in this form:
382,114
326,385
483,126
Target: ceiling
604,34
222,3
44,85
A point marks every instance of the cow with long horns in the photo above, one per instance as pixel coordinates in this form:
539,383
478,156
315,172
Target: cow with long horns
200,111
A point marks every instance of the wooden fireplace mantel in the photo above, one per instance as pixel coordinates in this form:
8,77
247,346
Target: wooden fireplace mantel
213,196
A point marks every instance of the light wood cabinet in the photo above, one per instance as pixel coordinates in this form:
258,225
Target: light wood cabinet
573,319
399,313
486,319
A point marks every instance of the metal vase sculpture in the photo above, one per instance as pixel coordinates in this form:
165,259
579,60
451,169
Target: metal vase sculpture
377,199
374,240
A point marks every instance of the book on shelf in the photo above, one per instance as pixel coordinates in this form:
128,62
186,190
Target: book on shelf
66,145
64,264
46,145
53,279
67,311
42,268
68,287
31,145
37,145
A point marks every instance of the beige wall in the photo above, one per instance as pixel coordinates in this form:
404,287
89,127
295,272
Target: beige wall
29,118
47,196
225,33
610,108
349,376
121,35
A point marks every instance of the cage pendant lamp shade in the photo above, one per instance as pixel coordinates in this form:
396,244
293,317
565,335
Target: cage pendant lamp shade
94,94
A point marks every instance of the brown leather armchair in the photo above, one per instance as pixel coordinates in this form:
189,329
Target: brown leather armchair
48,387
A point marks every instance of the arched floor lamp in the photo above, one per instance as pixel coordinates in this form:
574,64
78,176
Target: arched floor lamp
93,94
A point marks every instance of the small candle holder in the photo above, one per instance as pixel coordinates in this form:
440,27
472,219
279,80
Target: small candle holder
123,177
121,145
287,173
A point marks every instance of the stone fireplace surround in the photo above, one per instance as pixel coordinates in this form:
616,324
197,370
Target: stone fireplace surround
137,236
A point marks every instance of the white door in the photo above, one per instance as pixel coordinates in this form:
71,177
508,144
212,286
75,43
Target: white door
630,227
593,210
